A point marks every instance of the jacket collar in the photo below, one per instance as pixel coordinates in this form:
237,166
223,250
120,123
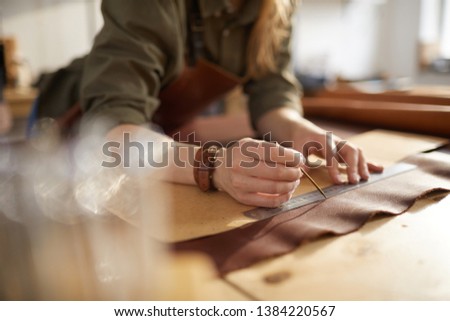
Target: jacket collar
214,8
249,9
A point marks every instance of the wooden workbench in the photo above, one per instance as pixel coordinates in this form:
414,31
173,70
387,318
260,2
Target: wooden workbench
20,101
390,258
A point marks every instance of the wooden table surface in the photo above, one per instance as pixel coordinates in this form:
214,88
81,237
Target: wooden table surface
391,258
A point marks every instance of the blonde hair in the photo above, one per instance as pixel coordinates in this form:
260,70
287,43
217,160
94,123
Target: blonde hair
268,35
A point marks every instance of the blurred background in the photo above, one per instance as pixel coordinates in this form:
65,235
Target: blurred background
364,39
379,45
354,39
402,42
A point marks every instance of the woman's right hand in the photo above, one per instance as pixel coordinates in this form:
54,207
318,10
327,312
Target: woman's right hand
258,173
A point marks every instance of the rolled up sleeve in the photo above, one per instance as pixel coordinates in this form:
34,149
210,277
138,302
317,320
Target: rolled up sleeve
137,52
271,92
276,89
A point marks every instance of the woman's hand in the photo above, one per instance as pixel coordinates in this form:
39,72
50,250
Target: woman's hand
336,151
258,173
286,125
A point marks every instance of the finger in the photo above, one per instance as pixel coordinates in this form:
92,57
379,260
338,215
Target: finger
333,171
269,171
271,152
350,157
363,168
333,166
264,200
374,168
258,185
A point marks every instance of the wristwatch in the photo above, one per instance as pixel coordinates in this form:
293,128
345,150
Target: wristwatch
204,166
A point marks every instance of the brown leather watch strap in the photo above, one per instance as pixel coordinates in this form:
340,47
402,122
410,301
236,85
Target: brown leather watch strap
204,166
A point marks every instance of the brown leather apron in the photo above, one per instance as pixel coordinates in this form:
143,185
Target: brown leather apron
180,102
195,89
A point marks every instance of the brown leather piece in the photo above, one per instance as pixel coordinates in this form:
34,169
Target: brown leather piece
338,215
182,100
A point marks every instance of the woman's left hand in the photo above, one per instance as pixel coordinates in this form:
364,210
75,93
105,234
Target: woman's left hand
336,151
286,125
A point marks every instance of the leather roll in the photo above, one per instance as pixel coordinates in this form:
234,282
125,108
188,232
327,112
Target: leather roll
420,118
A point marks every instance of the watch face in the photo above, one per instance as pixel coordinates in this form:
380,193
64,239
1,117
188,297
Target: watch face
212,149
212,156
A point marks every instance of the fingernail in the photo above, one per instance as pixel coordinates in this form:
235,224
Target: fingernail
339,180
354,178
302,159
365,176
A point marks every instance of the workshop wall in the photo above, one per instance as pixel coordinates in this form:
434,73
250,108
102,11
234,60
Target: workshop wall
358,39
351,38
50,33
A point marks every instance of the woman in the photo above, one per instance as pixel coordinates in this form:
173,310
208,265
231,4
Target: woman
141,52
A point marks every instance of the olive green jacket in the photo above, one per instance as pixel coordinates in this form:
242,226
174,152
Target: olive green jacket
141,49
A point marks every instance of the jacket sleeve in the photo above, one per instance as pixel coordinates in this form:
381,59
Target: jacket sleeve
276,89
137,52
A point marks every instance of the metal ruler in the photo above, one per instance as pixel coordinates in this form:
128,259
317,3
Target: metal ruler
315,196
